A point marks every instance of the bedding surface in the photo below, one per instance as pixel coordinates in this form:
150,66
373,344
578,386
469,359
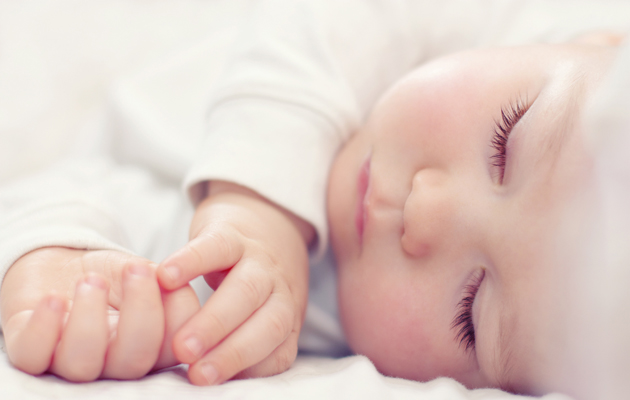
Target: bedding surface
309,378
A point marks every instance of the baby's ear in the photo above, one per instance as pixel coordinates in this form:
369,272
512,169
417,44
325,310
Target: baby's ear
600,38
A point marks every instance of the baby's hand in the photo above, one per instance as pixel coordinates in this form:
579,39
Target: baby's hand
88,314
255,257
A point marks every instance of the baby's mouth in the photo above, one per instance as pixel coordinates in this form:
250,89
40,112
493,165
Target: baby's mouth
363,183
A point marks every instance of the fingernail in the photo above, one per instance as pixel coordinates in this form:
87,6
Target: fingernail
194,346
55,304
210,373
173,272
85,288
94,281
139,270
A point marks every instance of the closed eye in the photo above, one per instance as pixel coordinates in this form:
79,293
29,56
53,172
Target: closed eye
510,116
463,322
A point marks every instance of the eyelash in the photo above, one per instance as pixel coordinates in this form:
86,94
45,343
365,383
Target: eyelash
510,116
463,322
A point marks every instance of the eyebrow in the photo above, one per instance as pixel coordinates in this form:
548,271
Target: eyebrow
565,116
504,359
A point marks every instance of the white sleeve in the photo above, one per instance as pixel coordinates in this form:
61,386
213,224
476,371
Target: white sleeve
91,204
287,100
304,74
281,94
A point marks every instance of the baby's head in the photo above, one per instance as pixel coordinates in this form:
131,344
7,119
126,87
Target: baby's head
447,210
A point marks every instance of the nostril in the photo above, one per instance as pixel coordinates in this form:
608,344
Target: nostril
414,247
426,213
412,242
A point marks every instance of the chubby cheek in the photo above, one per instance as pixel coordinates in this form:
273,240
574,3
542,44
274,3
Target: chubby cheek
401,322
385,323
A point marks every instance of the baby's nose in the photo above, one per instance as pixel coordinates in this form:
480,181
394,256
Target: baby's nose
431,213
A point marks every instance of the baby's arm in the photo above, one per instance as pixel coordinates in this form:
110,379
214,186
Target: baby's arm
275,124
84,314
254,254
290,96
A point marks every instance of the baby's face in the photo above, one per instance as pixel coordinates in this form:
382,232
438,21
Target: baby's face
446,216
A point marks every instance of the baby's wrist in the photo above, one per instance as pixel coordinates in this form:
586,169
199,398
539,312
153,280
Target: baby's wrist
218,188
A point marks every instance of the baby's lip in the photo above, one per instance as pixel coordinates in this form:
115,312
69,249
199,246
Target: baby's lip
363,184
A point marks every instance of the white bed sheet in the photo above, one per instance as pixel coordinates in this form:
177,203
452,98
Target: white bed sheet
309,378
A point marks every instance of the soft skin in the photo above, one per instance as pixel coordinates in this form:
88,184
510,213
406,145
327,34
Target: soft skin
254,254
436,214
84,315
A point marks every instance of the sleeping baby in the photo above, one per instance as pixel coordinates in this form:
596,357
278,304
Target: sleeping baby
448,247
445,210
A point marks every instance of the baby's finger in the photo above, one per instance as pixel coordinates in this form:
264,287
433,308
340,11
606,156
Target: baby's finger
32,336
278,361
81,351
251,343
206,253
136,347
179,306
243,291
